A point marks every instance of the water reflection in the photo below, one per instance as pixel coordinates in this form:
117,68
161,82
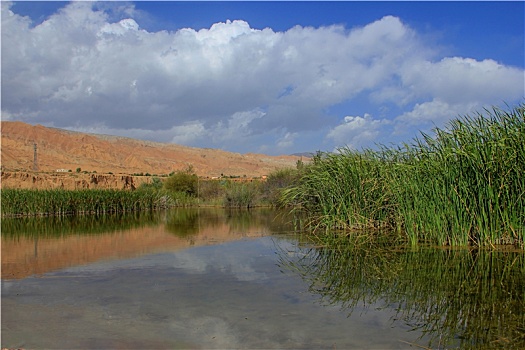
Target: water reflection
165,283
164,280
466,298
39,245
58,226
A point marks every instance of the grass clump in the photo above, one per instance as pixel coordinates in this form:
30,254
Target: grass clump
343,191
241,194
276,182
463,185
58,202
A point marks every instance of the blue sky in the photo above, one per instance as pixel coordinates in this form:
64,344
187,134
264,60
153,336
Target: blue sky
265,77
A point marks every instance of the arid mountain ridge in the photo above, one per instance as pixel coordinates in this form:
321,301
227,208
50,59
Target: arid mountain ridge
59,150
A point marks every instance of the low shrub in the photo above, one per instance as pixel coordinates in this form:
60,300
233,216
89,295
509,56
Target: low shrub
182,181
241,194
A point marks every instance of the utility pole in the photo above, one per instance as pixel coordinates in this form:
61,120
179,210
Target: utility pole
35,162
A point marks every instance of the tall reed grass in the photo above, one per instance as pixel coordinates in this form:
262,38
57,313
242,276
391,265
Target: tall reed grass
463,185
24,202
241,194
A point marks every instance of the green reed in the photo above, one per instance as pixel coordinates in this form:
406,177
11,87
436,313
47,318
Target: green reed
24,202
463,185
241,194
344,191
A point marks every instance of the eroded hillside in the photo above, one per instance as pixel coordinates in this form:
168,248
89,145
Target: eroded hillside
62,150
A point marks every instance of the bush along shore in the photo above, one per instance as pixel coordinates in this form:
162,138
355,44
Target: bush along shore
464,185
180,189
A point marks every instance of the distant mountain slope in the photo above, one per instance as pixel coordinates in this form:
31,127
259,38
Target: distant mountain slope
304,154
63,149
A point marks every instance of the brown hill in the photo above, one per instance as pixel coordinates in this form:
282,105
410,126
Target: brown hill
59,149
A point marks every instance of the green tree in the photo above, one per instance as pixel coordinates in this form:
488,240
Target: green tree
185,181
300,164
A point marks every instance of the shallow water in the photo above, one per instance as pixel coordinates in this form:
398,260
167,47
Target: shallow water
204,278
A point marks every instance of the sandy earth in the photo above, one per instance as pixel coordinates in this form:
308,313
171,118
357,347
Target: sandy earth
109,162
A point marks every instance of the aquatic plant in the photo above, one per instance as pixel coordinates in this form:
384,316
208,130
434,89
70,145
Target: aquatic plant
241,194
463,185
20,202
343,190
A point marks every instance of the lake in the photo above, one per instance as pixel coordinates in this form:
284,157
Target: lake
211,278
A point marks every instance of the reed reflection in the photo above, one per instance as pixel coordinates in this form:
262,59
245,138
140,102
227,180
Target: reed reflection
41,244
465,298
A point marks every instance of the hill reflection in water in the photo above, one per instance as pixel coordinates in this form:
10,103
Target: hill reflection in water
39,245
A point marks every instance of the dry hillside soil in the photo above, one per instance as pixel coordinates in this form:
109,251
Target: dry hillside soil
110,161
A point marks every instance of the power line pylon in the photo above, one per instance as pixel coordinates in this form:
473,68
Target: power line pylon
35,160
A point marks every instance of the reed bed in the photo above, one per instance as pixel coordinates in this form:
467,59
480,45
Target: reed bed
464,185
25,202
241,195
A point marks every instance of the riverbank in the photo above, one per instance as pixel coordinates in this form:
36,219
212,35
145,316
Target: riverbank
70,181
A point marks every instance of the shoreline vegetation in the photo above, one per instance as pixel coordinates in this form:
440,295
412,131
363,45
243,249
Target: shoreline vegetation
464,186
180,189
461,186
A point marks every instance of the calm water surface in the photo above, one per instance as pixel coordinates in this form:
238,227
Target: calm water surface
211,278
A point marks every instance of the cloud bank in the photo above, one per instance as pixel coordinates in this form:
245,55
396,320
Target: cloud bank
234,87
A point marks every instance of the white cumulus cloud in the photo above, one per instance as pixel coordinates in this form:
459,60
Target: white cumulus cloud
357,132
233,86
